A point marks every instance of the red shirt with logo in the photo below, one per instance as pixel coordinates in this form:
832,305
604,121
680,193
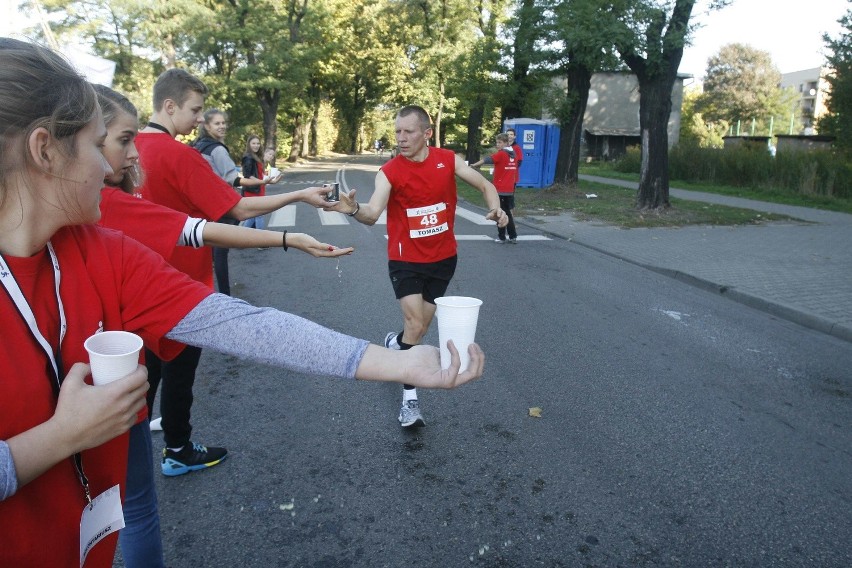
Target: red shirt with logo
178,177
108,282
421,209
505,172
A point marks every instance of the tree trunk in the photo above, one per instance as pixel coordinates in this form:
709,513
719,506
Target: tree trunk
523,48
655,105
313,147
268,100
439,115
474,125
656,74
298,132
568,161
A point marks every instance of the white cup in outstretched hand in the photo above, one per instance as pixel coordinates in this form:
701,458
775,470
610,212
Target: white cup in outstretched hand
112,355
457,319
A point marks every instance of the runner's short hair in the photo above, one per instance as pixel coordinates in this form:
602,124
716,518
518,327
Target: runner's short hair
422,115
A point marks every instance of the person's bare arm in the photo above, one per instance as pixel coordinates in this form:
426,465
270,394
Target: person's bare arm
420,366
252,182
486,188
249,207
234,236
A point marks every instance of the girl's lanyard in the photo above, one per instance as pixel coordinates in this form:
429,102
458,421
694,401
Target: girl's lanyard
54,370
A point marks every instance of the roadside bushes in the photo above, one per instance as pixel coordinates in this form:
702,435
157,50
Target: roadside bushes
825,173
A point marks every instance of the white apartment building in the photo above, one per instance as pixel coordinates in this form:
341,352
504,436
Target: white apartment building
811,87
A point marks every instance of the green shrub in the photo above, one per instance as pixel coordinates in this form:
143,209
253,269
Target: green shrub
825,173
630,162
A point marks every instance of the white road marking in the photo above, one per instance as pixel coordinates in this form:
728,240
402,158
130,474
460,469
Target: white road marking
332,218
284,217
473,217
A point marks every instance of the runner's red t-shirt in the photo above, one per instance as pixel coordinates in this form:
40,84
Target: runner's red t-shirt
421,209
108,282
178,177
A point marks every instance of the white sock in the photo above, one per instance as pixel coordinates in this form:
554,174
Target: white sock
176,449
409,394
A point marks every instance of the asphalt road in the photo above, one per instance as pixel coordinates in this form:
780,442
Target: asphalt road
677,428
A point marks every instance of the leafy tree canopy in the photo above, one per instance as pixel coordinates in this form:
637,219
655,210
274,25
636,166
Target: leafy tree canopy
838,121
741,83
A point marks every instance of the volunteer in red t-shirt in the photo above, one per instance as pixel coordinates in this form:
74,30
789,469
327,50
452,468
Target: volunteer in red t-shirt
180,178
519,153
63,440
418,188
505,176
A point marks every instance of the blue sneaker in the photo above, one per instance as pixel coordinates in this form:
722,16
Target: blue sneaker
191,457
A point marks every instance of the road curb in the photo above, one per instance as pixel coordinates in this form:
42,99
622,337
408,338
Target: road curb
774,308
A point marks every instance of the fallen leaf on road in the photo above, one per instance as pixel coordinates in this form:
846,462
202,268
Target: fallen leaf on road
535,412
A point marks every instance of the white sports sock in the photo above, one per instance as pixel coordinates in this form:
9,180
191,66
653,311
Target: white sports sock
409,394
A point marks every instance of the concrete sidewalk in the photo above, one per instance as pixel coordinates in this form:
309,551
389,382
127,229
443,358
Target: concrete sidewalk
797,270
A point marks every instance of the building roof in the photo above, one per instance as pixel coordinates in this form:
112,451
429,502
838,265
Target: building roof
613,131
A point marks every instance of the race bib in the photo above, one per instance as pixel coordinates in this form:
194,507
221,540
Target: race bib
427,221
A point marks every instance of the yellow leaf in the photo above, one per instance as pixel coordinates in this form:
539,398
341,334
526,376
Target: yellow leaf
535,412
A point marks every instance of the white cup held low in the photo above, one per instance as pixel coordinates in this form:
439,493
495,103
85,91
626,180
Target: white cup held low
112,355
457,319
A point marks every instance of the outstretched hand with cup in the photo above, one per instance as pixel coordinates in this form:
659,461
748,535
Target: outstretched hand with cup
420,366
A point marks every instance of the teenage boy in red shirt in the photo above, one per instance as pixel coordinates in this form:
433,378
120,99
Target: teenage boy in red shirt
504,179
519,153
177,176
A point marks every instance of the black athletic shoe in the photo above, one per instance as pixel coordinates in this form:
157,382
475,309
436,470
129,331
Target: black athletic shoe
191,457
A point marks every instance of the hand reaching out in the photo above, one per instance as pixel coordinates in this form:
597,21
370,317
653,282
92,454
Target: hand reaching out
313,247
420,366
424,368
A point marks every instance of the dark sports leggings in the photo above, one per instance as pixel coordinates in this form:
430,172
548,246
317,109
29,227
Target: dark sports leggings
177,377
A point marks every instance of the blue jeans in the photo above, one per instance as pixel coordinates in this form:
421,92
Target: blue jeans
255,222
140,540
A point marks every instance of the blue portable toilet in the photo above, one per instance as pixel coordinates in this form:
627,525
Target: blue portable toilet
539,142
551,153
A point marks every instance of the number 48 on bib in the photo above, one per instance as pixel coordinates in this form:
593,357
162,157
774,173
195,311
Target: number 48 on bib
427,221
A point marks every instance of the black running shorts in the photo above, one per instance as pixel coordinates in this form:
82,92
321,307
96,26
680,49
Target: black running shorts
430,279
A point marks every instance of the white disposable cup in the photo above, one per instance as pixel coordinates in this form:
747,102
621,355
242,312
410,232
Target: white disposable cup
113,355
457,318
273,172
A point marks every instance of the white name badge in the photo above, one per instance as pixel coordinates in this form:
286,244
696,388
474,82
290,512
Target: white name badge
102,518
427,221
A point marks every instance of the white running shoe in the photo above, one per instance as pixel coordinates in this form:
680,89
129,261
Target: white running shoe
392,341
409,414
